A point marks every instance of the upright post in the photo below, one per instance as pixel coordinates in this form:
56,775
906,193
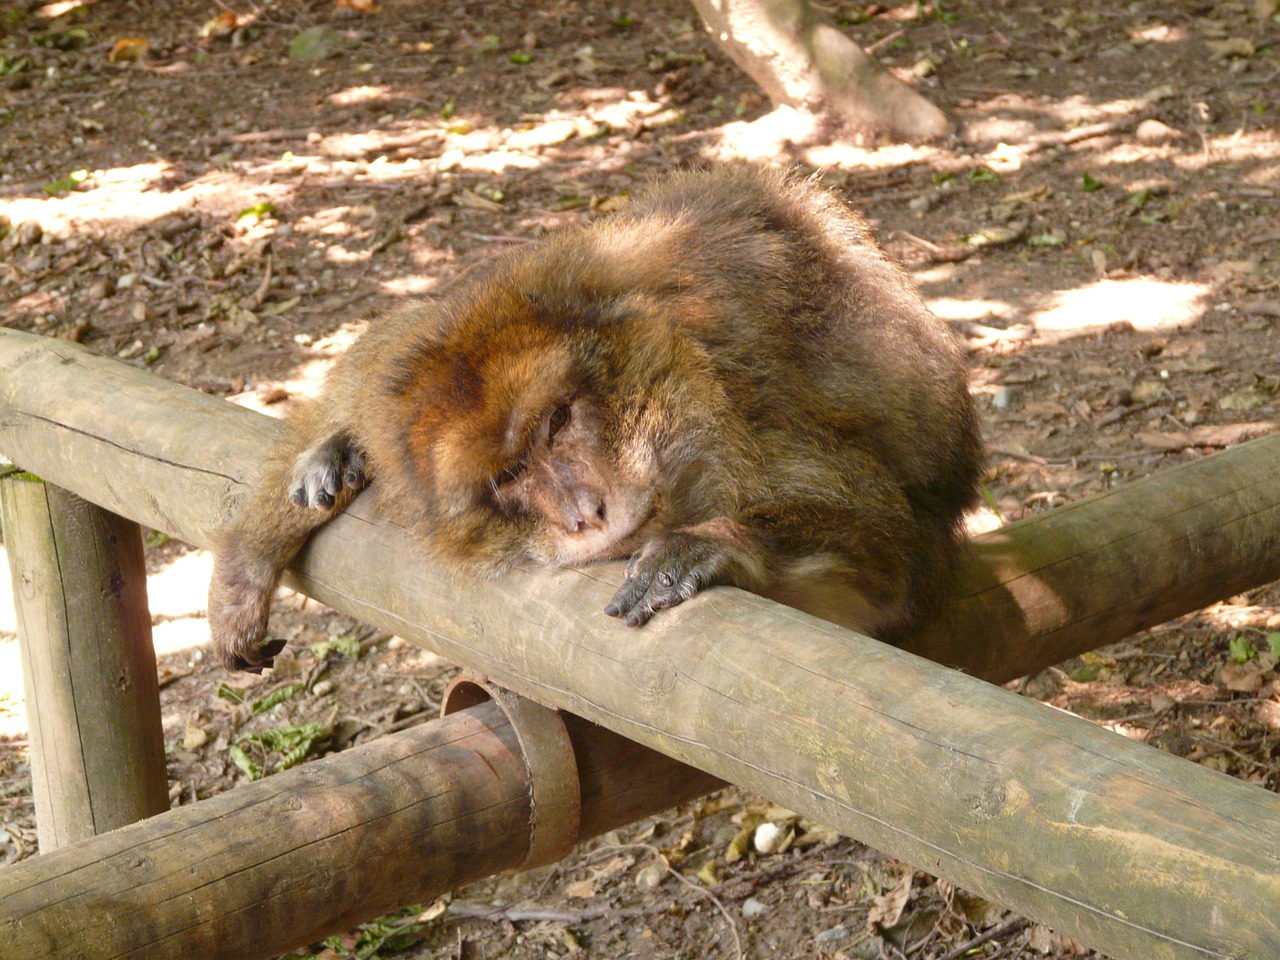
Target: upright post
93,705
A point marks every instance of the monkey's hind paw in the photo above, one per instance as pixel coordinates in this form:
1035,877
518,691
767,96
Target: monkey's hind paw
322,472
253,659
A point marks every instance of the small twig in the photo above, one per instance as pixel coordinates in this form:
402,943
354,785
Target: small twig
496,238
264,288
701,891
1029,457
953,254
1062,138
1115,416
873,47
174,677
1009,926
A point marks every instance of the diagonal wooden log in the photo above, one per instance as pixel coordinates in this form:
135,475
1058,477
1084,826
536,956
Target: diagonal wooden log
1134,852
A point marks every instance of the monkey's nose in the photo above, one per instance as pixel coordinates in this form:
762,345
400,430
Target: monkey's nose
588,514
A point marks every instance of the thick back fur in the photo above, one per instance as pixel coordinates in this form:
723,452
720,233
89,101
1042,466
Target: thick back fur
754,357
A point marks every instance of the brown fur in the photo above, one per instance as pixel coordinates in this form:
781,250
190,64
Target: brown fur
727,382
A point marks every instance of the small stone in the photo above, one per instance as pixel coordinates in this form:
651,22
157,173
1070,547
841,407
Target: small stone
833,934
194,737
650,876
395,643
126,281
1004,398
28,234
773,838
100,289
751,907
138,311
1151,131
322,688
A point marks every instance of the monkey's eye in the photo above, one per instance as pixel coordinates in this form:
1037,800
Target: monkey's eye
559,418
508,475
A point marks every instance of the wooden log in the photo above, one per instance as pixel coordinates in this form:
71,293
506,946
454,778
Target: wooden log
1134,852
1040,591
285,861
93,708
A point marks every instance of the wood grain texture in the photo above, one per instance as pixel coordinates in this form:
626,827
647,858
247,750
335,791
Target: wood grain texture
80,594
1136,853
287,860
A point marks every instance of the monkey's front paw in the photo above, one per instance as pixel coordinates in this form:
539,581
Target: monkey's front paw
666,573
322,472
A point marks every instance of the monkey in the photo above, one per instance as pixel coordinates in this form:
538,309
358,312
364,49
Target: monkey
726,382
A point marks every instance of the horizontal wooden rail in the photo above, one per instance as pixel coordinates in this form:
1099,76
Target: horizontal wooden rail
1134,852
277,864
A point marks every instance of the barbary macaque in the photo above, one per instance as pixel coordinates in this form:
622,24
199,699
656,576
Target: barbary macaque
726,383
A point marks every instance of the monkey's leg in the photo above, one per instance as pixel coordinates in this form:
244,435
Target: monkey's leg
296,495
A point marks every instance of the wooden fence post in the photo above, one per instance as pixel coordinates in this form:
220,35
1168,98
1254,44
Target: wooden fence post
93,707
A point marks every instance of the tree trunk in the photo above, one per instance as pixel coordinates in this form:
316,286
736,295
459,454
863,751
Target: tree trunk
802,60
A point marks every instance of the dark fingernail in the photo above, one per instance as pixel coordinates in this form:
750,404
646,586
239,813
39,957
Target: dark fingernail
612,610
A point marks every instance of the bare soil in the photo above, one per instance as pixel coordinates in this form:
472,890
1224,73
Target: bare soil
1104,233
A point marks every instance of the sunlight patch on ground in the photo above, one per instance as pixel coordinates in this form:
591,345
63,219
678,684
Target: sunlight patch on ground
780,131
362,94
1146,303
414,286
952,308
178,595
308,376
1240,147
129,196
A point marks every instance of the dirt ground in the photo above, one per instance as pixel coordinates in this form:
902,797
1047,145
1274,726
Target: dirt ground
228,204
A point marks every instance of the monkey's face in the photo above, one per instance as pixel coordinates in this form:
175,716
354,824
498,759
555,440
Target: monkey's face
517,455
586,499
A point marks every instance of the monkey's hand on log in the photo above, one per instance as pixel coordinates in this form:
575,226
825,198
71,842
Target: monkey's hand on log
669,570
325,470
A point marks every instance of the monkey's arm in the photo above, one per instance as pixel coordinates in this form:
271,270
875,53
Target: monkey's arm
849,558
316,472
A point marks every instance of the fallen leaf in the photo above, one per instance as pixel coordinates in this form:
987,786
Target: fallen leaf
1149,390
1216,436
194,738
1047,941
1241,677
220,26
314,43
1246,399
127,50
580,890
886,909
1231,47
